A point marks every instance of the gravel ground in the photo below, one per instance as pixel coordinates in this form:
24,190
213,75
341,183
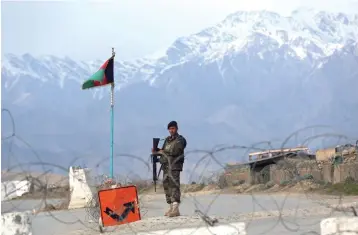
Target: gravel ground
24,205
276,214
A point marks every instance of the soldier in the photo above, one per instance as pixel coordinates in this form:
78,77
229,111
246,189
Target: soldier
172,161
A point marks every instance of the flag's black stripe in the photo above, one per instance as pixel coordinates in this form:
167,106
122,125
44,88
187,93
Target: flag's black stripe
109,71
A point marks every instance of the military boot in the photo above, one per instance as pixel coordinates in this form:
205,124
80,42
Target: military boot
175,210
169,210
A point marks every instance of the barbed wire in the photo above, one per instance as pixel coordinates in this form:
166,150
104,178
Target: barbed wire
267,189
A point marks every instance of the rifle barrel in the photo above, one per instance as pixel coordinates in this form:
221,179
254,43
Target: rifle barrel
155,178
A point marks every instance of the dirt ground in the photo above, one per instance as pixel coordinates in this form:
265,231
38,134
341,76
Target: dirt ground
304,186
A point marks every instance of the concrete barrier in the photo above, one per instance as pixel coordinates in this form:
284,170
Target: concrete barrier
82,188
14,189
339,226
227,229
16,223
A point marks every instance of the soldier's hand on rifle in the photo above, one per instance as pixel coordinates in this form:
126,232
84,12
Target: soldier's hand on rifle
157,151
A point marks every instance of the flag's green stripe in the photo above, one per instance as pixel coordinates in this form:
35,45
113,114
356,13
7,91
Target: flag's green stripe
98,76
88,84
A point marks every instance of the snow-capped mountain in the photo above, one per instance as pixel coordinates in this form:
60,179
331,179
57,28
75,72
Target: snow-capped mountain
251,77
306,34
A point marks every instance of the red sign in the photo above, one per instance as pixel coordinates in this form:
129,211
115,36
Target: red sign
119,205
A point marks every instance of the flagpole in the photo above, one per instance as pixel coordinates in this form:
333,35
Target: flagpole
112,123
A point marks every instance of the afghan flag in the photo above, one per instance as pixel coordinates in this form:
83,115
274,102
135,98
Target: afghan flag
103,76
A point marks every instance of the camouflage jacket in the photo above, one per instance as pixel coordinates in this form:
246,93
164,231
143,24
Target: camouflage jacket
173,148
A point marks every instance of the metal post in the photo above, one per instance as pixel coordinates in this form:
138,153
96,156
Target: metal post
112,123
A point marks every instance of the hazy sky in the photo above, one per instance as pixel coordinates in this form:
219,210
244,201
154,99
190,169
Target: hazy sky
83,30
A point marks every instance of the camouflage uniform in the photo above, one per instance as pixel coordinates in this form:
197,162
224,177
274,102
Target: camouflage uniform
172,165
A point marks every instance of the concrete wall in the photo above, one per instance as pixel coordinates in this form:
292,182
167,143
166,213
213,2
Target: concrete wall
82,188
344,225
316,173
328,173
279,176
343,171
16,223
14,189
237,175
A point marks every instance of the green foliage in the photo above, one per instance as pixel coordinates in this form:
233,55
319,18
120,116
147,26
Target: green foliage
285,182
307,177
222,182
236,182
349,180
270,184
348,187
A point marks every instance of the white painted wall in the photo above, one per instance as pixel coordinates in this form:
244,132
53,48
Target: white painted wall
16,223
14,189
227,229
339,226
21,223
82,187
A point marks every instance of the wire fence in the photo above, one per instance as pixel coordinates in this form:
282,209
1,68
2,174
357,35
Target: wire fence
288,192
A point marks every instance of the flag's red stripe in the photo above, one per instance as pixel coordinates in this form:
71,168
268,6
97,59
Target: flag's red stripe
96,83
104,65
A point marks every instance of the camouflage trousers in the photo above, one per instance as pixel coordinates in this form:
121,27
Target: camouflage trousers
171,185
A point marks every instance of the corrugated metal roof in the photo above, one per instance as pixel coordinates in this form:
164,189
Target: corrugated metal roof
280,150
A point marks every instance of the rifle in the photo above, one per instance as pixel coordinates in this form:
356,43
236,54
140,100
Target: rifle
155,159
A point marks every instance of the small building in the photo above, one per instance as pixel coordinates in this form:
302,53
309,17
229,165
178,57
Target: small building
340,151
325,154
